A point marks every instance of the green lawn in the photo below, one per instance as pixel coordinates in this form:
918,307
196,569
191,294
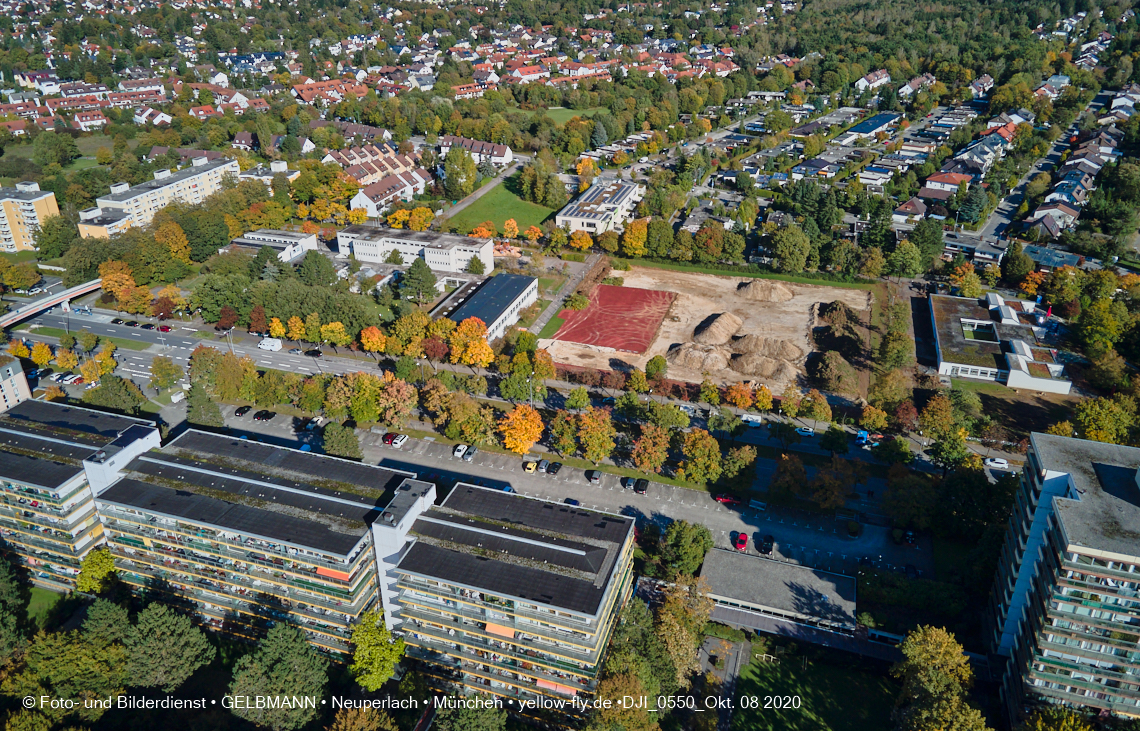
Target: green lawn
82,163
20,257
41,603
742,272
550,328
561,115
835,695
498,205
551,285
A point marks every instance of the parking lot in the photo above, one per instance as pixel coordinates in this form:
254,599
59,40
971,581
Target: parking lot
807,539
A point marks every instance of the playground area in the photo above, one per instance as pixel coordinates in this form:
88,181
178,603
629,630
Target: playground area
730,328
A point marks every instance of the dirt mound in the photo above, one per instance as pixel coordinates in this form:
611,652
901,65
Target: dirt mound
753,344
698,358
766,290
717,330
761,366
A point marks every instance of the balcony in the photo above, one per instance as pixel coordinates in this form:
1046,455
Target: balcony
508,667
1108,674
573,624
1119,694
68,523
469,675
473,637
28,493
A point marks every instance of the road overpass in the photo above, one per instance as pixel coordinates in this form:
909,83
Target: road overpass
46,303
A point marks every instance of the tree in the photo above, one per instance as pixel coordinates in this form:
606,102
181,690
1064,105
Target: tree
1016,265
469,343
873,263
792,247
315,270
702,458
284,664
54,147
684,547
69,665
471,717
116,278
657,367
873,419
171,235
967,281
115,393
459,172
1105,419
12,612
974,205
739,395
476,266
633,240
201,410
578,399
41,354
936,674
521,428
55,236
596,434
297,331
905,260
373,339
96,572
835,441
511,229
66,359
651,449
164,372
581,240
564,433
164,648
1056,719
710,394
631,717
107,622
341,441
376,652
418,282
927,236
420,218
362,719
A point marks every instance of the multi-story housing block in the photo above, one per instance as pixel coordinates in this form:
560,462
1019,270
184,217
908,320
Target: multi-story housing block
1065,612
511,595
22,211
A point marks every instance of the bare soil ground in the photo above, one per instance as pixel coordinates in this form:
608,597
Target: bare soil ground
699,299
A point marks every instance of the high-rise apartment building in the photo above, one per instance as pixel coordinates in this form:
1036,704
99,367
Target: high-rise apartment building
13,383
22,211
1065,608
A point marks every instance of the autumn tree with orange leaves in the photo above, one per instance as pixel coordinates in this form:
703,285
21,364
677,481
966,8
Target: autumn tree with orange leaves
469,344
521,428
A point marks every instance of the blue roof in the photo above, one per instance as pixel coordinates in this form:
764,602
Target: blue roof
875,123
492,299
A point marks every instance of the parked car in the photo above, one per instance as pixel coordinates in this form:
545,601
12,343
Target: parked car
459,450
594,477
314,353
260,415
131,323
242,410
529,467
314,423
147,326
997,463
164,328
805,431
296,351
271,415
554,468
543,465
627,482
767,545
728,500
641,486
470,453
862,437
571,501
741,542
389,438
117,321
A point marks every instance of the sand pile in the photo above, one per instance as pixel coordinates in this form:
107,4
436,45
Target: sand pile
699,358
717,330
766,290
753,344
760,366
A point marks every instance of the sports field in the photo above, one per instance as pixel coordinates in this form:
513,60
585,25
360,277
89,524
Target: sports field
621,318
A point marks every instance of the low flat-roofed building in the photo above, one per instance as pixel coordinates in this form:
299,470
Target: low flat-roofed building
800,594
441,252
289,245
498,303
603,207
513,595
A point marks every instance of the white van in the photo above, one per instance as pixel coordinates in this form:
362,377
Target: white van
270,344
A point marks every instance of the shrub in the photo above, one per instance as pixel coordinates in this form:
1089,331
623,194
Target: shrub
568,256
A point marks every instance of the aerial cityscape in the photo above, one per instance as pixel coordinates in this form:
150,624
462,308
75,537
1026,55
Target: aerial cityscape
613,366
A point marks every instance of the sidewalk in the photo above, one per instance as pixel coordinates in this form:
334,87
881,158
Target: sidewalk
567,289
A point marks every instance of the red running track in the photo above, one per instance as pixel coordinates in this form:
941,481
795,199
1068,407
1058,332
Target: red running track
622,318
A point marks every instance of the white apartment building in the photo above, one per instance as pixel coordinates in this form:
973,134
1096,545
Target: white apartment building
441,252
188,185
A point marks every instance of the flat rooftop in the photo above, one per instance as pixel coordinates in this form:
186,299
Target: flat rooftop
427,239
784,587
600,201
175,177
100,426
1106,517
493,298
507,545
948,313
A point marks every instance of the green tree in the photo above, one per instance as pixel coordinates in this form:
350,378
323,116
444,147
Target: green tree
315,270
684,547
164,372
1056,719
1016,265
70,665
974,205
702,458
116,393
201,410
936,674
657,367
376,651
905,261
484,718
726,422
12,608
596,434
927,236
341,441
165,648
835,440
55,236
284,664
476,266
107,622
96,572
418,282
1105,419
792,247
460,173
578,399
54,147
710,394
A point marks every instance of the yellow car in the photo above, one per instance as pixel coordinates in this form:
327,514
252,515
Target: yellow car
529,467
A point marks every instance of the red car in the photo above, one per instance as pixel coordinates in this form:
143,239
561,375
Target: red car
741,542
389,438
728,500
164,328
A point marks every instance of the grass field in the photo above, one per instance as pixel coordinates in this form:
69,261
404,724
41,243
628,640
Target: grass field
835,695
40,604
561,115
550,328
1021,411
500,204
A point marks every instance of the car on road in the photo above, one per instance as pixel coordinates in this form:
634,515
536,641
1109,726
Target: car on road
242,410
314,353
609,401
147,326
805,431
529,467
296,351
641,486
690,411
766,545
594,477
554,468
117,321
741,542
131,323
997,463
459,450
862,437
470,453
543,465
571,501
164,328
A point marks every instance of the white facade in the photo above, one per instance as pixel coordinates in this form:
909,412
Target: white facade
189,185
441,252
290,245
601,208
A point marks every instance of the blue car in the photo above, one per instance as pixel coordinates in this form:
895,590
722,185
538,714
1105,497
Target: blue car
571,501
